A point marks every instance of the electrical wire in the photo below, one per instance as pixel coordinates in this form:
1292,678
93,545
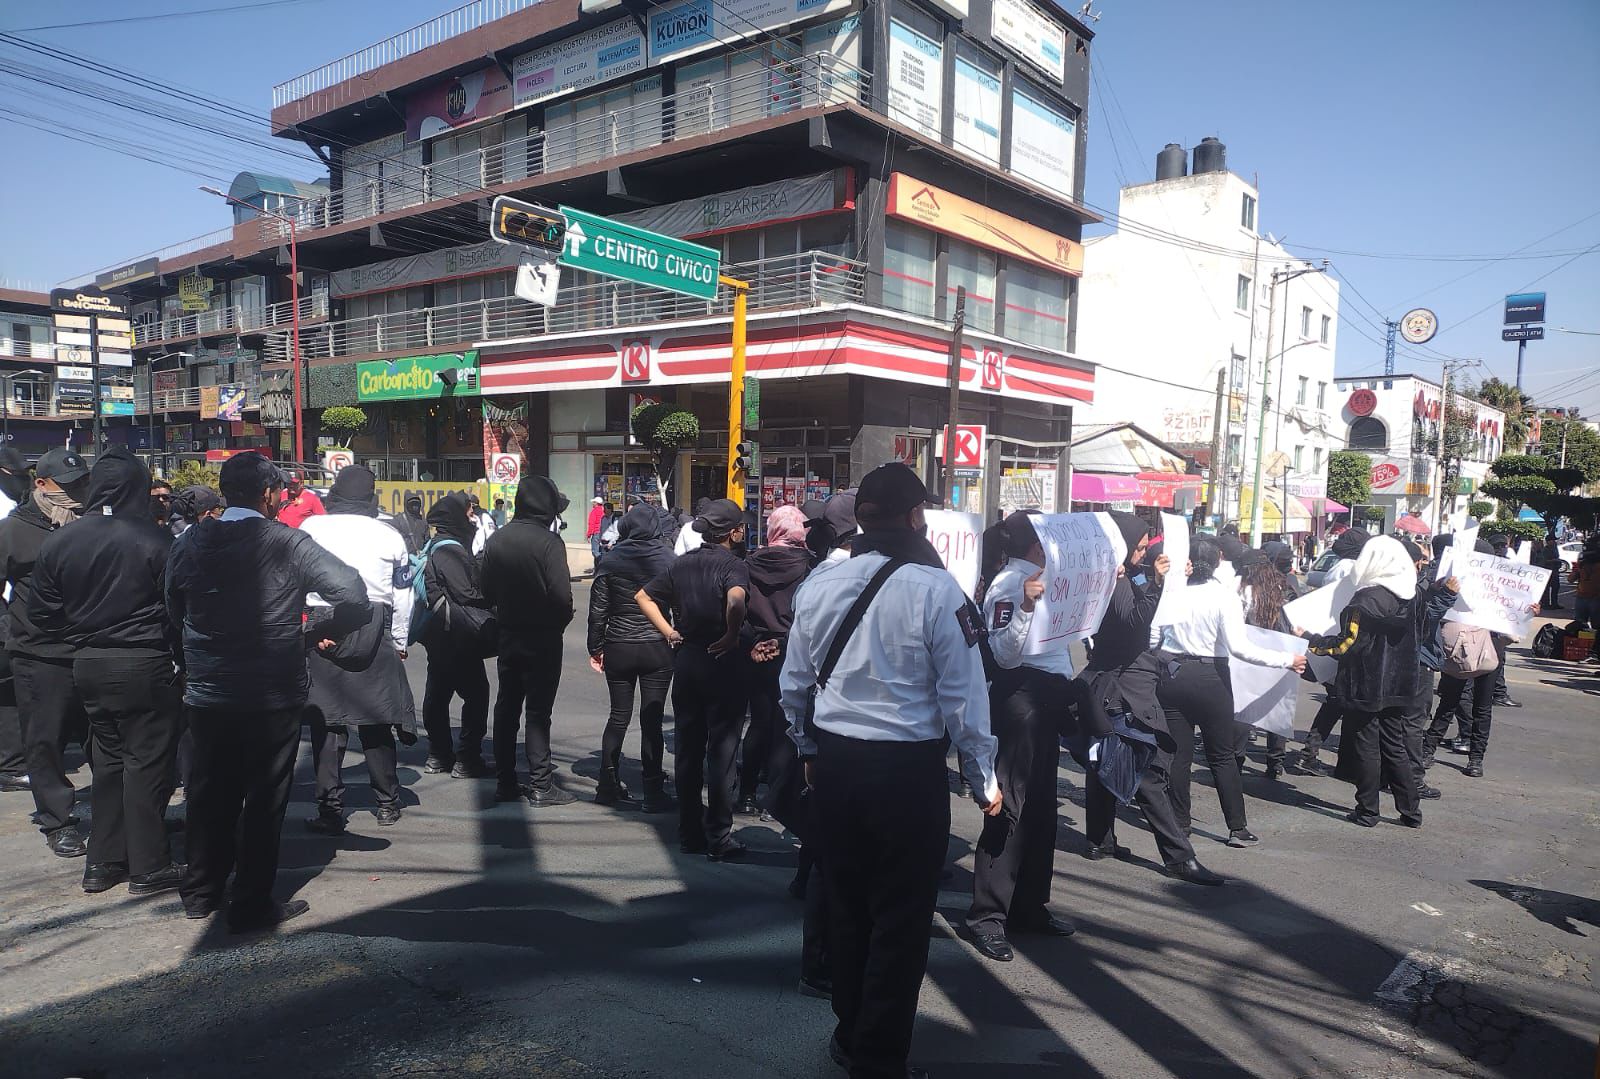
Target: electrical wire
155,18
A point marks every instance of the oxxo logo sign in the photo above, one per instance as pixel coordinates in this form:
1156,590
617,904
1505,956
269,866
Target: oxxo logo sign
635,359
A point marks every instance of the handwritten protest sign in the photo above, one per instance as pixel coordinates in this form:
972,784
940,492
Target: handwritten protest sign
957,538
1175,545
1082,552
1496,593
1265,697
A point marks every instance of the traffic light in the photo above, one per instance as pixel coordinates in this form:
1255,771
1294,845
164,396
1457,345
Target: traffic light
741,457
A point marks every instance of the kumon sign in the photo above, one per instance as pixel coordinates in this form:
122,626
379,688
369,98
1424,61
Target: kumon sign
449,374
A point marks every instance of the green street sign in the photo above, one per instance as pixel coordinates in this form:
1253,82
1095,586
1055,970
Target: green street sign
752,403
449,374
613,249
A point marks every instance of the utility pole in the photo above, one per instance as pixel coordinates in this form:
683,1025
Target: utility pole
1444,426
1266,383
958,324
1215,502
738,452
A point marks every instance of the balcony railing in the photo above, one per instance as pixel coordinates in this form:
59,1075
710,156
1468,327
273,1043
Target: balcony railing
27,350
806,82
807,279
450,24
229,320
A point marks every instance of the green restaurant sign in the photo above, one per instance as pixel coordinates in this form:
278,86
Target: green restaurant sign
449,374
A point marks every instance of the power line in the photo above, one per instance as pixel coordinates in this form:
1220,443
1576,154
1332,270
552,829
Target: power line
156,18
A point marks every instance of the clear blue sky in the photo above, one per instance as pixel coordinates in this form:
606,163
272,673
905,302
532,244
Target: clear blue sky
1450,127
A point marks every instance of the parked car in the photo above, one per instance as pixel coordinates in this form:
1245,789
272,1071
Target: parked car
1317,576
1569,557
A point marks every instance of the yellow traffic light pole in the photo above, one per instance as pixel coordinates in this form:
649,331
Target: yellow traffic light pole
736,470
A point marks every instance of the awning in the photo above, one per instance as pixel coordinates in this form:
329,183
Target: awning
1159,488
1272,512
1089,487
1330,506
1413,524
1528,515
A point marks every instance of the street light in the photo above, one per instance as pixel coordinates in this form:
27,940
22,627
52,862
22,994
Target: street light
5,405
294,307
1266,367
150,399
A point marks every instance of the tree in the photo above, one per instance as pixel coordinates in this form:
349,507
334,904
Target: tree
1481,510
664,429
344,418
1460,438
1513,530
1517,406
1349,477
194,474
1581,444
1536,482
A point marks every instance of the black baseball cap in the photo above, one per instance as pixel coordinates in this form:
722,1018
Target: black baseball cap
719,518
61,465
11,460
891,489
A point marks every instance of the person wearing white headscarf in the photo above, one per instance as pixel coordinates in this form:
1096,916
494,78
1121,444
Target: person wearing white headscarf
1376,646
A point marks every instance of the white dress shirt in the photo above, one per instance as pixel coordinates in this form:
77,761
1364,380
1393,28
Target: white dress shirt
1211,623
911,672
239,513
486,528
373,549
1008,623
689,537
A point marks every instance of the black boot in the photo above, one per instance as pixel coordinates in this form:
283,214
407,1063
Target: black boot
1474,767
656,798
1430,746
1307,764
611,792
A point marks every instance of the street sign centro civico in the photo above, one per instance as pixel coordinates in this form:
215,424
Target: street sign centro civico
614,249
417,377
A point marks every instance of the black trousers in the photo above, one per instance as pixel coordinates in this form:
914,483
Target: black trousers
1552,588
52,715
133,707
1418,719
452,674
1199,696
1384,749
530,675
13,757
1016,851
1500,690
327,758
815,959
243,769
708,700
1476,724
767,725
647,668
883,816
1154,799
1328,715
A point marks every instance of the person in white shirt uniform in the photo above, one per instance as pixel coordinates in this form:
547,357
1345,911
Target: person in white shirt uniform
484,522
362,682
1029,704
1199,647
872,736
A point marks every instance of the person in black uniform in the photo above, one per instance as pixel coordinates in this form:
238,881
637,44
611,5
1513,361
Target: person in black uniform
98,587
705,590
237,587
454,635
52,713
1122,653
15,485
525,577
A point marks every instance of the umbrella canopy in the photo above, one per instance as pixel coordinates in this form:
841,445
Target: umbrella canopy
1415,525
1330,506
1528,515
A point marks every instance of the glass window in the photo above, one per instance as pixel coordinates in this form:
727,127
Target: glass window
1322,395
1305,322
1327,328
1300,393
1235,450
1316,461
1299,457
1236,373
1368,433
744,246
976,123
1036,306
780,240
830,234
973,267
916,71
1247,213
909,269
1241,298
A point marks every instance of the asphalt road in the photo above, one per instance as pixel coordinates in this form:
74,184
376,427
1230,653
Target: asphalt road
498,940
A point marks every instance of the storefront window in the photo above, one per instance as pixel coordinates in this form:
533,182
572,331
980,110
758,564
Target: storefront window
975,268
909,269
1036,306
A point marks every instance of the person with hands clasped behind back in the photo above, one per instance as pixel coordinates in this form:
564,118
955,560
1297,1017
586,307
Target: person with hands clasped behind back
1029,700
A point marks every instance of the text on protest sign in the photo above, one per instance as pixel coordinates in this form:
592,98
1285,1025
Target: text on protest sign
1496,593
1082,552
957,537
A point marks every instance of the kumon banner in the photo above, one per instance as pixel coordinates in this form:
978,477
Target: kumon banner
449,374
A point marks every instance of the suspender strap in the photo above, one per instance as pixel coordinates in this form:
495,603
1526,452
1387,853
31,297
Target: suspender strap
852,619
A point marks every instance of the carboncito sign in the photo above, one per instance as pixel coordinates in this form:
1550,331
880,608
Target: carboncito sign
449,374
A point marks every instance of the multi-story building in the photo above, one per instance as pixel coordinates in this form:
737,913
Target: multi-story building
29,378
856,164
1189,290
1395,420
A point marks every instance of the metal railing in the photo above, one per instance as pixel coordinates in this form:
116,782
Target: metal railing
807,279
809,81
424,35
171,251
228,320
27,350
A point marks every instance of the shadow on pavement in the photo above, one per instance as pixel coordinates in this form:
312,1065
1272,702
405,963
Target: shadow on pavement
1559,909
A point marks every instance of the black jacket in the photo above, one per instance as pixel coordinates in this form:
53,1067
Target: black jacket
1376,646
22,534
775,573
411,526
525,574
1125,631
452,572
99,585
637,559
237,589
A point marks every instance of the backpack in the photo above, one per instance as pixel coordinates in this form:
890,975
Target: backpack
1468,650
420,614
1548,642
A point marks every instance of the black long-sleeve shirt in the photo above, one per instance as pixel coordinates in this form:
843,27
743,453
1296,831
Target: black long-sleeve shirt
1125,631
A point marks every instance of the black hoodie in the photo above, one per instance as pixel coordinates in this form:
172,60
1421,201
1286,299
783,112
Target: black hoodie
99,586
525,574
411,525
453,571
22,533
637,559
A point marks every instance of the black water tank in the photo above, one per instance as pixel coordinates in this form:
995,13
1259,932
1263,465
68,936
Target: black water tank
1210,156
1172,162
